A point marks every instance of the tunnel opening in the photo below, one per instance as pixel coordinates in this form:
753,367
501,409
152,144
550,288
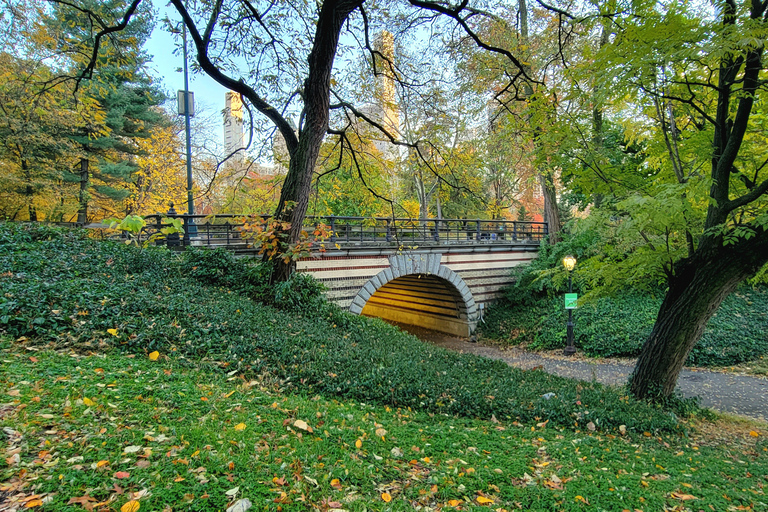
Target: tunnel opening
421,300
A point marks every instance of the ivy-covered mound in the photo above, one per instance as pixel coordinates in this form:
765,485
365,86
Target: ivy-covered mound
58,286
533,313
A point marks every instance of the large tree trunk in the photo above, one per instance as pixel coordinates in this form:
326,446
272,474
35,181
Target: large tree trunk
82,212
294,196
699,286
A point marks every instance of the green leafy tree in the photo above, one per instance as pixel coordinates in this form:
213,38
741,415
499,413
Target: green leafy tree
280,58
120,86
696,84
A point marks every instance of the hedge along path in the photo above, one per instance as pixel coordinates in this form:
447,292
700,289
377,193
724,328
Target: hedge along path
725,392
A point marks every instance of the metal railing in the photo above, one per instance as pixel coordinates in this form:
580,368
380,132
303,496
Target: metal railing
226,230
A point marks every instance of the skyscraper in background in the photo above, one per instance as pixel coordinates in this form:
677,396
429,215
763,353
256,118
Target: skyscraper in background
233,132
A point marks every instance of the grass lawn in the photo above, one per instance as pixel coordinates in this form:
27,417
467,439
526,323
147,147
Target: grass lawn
110,431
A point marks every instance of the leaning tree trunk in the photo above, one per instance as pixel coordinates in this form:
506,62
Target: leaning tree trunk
699,286
294,196
294,201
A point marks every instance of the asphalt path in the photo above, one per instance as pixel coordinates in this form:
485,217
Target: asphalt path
726,392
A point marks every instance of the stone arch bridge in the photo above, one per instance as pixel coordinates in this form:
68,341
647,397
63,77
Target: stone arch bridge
437,274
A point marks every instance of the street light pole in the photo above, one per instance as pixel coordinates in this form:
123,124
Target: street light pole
190,228
569,262
570,349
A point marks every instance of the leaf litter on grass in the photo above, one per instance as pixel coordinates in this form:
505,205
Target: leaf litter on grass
148,440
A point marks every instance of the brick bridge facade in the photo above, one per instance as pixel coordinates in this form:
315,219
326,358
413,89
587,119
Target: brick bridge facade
442,288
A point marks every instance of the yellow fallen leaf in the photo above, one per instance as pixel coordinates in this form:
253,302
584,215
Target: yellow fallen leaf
302,425
335,483
154,355
240,426
113,332
131,506
358,444
454,503
483,500
386,497
33,503
87,401
102,463
753,433
683,497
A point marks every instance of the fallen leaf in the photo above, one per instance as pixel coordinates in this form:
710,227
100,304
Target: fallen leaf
302,425
33,503
240,426
683,497
132,449
102,463
753,433
154,355
454,503
591,426
33,359
122,474
113,332
381,432
386,497
232,491
483,500
358,444
84,501
336,484
131,506
240,505
87,401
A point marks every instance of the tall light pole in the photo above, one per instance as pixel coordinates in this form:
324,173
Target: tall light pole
191,229
569,262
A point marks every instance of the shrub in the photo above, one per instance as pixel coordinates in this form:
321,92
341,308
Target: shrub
219,267
618,326
606,327
210,266
302,293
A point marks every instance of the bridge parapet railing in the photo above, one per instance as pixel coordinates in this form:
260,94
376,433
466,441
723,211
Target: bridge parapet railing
226,230
449,231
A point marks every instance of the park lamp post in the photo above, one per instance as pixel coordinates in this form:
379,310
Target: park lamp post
569,262
186,108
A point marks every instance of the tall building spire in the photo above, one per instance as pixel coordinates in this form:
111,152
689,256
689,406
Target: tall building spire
233,131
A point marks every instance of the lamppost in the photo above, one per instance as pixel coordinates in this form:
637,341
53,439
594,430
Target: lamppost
569,262
187,109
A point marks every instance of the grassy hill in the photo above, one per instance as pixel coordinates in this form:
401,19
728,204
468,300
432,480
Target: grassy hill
142,379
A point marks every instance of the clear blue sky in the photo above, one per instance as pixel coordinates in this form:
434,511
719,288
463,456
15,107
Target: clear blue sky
161,46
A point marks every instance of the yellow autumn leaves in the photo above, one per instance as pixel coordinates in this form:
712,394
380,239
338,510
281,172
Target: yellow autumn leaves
131,506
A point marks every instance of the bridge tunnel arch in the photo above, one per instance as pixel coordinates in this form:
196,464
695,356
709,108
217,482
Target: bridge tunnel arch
417,290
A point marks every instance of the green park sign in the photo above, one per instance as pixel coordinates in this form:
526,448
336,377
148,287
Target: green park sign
570,300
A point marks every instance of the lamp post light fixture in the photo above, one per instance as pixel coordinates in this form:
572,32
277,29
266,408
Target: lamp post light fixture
569,262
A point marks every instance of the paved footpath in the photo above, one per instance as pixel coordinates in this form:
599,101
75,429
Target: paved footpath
738,394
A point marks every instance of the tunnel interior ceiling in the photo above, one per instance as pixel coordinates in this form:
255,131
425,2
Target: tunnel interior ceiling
424,300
